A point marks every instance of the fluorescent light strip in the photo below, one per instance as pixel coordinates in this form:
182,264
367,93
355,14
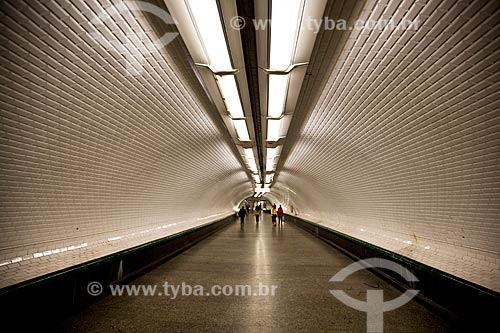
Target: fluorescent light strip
249,153
229,90
269,178
208,22
271,153
241,129
277,95
273,129
285,18
252,165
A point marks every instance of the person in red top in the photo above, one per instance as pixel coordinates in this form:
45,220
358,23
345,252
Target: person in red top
280,215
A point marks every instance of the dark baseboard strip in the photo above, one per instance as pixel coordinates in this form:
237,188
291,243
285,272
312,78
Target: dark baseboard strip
65,291
471,303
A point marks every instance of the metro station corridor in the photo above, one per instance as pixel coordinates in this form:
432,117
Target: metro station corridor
133,131
285,256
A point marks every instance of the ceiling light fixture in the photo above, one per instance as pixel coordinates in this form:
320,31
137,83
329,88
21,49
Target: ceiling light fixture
269,178
201,25
286,22
205,14
291,41
252,165
277,95
285,15
273,129
229,91
241,129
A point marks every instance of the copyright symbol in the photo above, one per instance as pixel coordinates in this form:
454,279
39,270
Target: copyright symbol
237,23
94,288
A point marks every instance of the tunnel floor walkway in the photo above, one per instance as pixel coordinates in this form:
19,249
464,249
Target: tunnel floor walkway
284,259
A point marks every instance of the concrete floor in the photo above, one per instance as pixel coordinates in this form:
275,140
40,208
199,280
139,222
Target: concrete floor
287,257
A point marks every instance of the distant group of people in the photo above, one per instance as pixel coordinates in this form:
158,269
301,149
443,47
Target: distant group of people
276,214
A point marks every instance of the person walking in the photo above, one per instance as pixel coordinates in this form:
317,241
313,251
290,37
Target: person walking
242,213
280,215
273,214
258,210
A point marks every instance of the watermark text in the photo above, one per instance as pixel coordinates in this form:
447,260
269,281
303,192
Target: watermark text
172,291
326,23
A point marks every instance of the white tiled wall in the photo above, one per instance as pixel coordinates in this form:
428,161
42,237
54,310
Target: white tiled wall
402,149
91,150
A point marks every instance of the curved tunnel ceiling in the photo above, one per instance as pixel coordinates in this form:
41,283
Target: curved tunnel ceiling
401,146
91,151
394,138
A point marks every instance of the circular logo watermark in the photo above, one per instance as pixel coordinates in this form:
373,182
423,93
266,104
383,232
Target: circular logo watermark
137,44
374,305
